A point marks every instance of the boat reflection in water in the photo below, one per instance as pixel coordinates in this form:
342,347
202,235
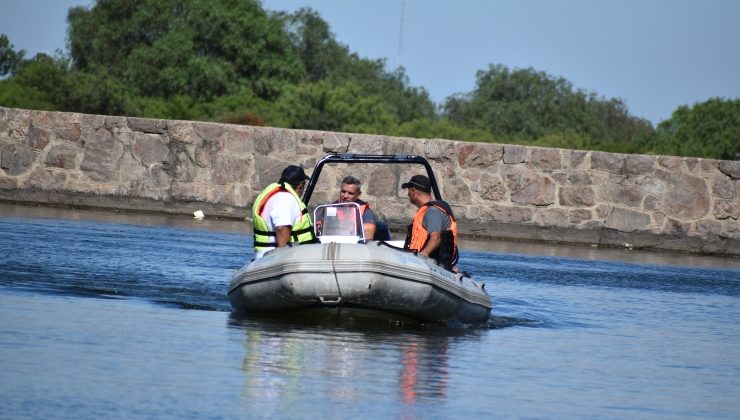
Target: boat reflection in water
343,365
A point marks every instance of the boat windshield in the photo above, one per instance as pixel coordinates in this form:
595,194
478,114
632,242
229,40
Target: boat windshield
339,222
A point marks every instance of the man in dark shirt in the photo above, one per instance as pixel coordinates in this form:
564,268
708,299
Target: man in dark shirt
350,193
433,232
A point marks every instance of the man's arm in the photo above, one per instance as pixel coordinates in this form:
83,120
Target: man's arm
435,238
368,223
282,235
369,230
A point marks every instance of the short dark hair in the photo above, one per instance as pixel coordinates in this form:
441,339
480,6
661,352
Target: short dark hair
349,179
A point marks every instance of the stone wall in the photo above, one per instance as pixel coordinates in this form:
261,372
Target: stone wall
497,191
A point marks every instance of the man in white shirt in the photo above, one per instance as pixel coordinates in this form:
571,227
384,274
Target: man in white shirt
280,217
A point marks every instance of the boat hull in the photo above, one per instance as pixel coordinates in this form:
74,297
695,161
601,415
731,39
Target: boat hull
358,276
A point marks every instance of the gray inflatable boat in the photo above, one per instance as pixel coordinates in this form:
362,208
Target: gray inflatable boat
347,274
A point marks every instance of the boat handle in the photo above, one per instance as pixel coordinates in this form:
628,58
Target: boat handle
330,300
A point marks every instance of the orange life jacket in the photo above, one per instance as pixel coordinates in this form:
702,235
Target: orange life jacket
418,236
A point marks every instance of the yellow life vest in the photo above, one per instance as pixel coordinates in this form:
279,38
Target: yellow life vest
301,232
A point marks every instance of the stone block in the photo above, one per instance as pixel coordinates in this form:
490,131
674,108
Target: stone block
16,159
709,165
6,182
472,155
578,216
546,160
651,185
45,180
190,191
101,156
580,178
183,132
157,177
38,138
382,183
651,203
626,220
42,119
639,165
578,159
150,148
560,178
541,192
130,169
492,187
723,187
68,132
552,217
514,154
517,177
687,197
62,155
577,196
238,141
228,169
730,168
454,189
437,150
274,141
209,131
709,227
115,123
15,125
505,213
147,125
608,162
335,142
726,209
619,195
366,144
672,163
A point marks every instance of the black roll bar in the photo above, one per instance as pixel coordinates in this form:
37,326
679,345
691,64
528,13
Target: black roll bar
359,158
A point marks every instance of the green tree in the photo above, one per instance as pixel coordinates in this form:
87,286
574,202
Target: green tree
38,83
9,58
325,59
524,105
708,129
327,106
199,48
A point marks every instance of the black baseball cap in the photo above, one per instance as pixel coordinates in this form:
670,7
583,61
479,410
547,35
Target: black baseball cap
293,175
420,182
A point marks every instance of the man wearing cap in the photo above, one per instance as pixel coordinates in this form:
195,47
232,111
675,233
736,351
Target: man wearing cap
433,232
279,215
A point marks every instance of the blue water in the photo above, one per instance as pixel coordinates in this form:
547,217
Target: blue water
126,316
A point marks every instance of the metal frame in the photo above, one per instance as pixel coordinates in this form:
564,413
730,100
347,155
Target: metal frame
360,158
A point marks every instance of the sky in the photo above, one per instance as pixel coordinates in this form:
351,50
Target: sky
655,55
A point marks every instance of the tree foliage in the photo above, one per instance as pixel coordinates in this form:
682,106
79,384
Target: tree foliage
708,129
233,61
9,58
522,105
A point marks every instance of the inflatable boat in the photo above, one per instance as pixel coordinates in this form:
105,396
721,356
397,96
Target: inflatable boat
347,274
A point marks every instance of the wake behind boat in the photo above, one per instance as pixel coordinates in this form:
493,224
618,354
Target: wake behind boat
347,274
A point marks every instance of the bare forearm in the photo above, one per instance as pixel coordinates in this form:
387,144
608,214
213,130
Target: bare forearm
369,230
432,243
282,235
